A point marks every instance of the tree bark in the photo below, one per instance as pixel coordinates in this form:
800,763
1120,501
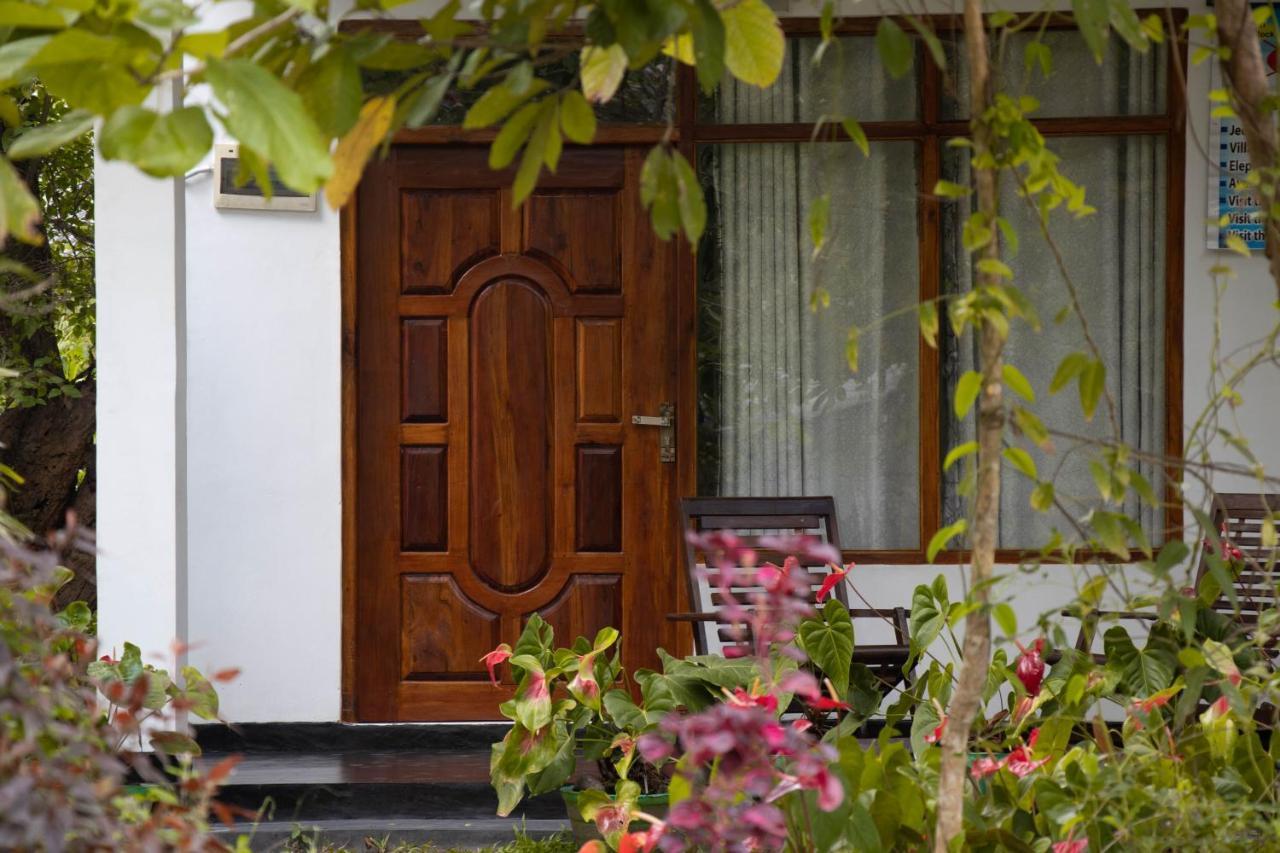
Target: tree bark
50,444
1246,77
977,631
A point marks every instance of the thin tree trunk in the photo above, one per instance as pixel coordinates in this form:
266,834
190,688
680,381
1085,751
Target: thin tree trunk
1246,77
977,627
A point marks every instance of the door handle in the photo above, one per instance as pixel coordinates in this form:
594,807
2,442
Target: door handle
665,421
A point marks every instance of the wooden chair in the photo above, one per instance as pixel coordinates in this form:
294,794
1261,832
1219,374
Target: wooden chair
1242,514
750,519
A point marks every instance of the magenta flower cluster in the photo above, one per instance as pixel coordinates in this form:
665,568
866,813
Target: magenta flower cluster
737,758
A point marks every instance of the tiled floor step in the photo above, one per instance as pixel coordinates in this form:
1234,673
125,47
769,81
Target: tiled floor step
443,832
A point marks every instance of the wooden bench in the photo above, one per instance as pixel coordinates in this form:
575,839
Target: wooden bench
750,519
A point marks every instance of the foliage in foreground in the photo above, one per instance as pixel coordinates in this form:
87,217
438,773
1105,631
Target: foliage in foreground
1189,759
65,718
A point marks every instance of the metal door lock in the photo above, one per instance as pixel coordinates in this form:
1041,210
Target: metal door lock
665,421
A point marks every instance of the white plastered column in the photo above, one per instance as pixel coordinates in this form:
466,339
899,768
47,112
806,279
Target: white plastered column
141,444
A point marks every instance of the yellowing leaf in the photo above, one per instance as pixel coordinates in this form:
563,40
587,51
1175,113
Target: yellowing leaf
602,70
680,47
19,211
754,44
354,149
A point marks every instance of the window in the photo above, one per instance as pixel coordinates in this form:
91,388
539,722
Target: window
779,413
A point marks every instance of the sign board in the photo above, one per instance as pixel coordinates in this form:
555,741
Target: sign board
1229,193
250,196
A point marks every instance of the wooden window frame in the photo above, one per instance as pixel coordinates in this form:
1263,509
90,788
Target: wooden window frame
930,133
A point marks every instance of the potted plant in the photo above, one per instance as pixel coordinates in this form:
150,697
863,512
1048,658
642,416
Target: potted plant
571,703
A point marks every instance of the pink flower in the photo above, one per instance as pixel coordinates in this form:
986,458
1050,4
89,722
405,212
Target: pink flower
832,580
1019,762
984,767
1071,845
1030,670
936,735
495,657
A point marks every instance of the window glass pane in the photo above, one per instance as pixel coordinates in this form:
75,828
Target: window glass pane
642,98
848,80
779,412
1126,83
1116,261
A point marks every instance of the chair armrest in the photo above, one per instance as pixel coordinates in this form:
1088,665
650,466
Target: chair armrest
1119,614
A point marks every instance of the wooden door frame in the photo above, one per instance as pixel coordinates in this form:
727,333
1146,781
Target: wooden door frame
685,391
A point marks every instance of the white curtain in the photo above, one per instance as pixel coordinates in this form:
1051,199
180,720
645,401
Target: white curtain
782,414
1116,260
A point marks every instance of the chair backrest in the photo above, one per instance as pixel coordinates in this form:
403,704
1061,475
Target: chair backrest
750,519
1242,514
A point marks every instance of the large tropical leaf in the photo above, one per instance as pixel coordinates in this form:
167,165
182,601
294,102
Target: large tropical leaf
828,640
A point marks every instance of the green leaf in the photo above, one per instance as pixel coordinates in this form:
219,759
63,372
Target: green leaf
1092,380
754,44
577,118
355,148
828,641
958,453
708,31
41,139
943,536
858,135
269,118
1021,460
544,144
515,132
89,70
533,696
499,102
1111,532
30,16
692,206
1005,618
819,214
896,50
331,91
160,144
1093,19
947,189
19,210
930,40
658,192
1144,671
1014,378
1068,369
967,392
200,695
1042,497
851,348
927,313
926,619
561,767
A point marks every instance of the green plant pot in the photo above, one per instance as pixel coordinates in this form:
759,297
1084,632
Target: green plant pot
584,831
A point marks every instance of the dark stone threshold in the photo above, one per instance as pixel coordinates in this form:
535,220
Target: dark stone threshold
347,737
353,833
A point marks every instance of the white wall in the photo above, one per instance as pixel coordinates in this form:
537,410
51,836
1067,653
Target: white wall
264,483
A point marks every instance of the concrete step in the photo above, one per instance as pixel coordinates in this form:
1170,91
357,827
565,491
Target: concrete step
444,833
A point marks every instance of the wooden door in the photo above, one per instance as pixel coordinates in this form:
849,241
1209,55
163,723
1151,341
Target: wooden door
500,357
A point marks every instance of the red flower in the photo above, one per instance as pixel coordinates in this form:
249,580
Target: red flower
638,842
1030,670
984,767
832,580
936,735
823,703
1019,762
495,657
1071,845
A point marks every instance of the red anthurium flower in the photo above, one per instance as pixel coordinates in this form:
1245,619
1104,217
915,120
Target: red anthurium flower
1071,845
584,686
495,657
1020,762
832,580
593,847
824,703
638,842
936,735
1030,669
984,767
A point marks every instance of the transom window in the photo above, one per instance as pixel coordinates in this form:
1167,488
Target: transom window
780,413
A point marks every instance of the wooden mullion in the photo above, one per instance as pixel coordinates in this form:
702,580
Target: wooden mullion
1175,160
686,338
